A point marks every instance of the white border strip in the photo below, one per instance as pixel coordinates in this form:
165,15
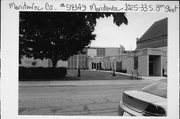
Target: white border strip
9,84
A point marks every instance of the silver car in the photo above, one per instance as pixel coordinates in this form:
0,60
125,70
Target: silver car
149,101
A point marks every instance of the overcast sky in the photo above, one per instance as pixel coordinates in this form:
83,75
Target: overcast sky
110,35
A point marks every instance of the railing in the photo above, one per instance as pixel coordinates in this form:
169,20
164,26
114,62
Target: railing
135,75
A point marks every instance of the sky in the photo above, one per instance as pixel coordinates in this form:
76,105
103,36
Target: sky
110,35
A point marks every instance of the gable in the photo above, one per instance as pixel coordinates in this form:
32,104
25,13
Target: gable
155,36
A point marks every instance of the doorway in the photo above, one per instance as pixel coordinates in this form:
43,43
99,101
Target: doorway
154,65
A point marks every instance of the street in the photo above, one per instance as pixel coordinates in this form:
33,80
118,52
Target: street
89,95
73,99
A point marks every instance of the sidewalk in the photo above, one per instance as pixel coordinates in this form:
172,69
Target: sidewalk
88,83
154,78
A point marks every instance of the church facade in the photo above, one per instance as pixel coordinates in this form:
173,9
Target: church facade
150,56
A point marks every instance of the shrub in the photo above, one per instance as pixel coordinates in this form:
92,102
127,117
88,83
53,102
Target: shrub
41,73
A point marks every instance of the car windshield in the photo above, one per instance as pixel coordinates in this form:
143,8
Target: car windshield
157,88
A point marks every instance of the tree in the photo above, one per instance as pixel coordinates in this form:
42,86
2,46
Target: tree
58,35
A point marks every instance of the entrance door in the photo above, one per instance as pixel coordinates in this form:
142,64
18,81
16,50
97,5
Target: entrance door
100,65
151,64
154,65
92,65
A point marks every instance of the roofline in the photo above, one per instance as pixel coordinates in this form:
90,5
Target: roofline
162,36
140,39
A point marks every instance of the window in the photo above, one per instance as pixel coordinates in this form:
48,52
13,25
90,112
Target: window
135,62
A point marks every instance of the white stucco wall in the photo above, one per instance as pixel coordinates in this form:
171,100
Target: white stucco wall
112,52
124,63
130,64
143,65
163,48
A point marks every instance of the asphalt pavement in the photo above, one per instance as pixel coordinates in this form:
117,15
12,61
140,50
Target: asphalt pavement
94,100
95,93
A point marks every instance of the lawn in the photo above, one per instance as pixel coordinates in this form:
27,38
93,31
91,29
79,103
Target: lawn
94,75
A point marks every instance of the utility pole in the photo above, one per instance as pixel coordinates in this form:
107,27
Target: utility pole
114,67
77,61
78,68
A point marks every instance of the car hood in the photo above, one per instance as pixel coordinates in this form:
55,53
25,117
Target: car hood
146,97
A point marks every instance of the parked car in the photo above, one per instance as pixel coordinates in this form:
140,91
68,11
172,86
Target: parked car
149,101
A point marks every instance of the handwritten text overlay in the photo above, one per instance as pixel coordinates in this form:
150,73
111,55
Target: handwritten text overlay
80,7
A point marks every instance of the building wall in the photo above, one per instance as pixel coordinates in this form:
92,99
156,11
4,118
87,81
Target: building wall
78,61
109,63
143,65
124,64
121,60
61,63
112,52
153,44
72,62
96,52
100,52
92,52
95,63
163,48
31,62
130,64
160,61
28,62
95,55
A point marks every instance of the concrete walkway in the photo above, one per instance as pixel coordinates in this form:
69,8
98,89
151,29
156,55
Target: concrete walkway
154,78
